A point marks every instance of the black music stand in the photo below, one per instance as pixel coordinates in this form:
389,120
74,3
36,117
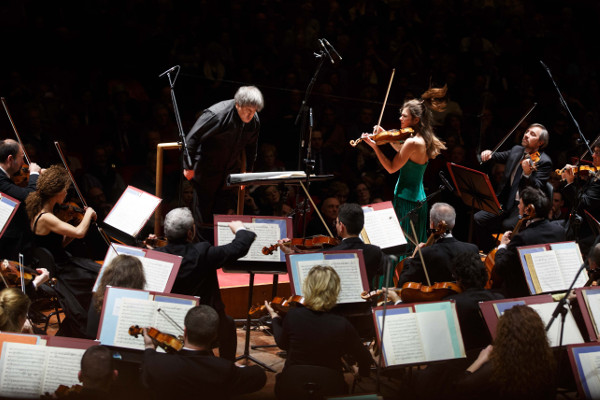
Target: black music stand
247,355
475,190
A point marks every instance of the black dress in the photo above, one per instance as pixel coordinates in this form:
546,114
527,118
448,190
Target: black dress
76,277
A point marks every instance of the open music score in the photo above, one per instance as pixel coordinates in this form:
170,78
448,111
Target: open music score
585,363
349,265
544,305
382,227
123,308
419,333
160,269
8,208
130,213
551,267
588,299
28,370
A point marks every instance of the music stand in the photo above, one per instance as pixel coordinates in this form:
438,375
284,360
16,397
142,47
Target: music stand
592,222
475,190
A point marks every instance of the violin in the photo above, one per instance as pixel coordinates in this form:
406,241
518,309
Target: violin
494,281
376,293
581,170
11,272
279,304
412,292
21,178
70,212
302,245
534,159
168,342
383,137
155,241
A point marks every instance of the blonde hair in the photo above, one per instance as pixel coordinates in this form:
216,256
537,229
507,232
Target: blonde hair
321,288
14,304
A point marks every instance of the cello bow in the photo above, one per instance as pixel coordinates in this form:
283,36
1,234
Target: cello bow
83,202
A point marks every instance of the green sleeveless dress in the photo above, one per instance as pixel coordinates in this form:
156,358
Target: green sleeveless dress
409,190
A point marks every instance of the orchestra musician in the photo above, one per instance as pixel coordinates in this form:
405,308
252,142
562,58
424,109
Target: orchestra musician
538,230
437,257
97,374
412,157
76,276
216,142
520,172
17,237
520,364
194,372
123,271
314,336
586,193
198,271
14,306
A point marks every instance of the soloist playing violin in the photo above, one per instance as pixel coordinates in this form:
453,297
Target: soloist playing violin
75,275
412,157
526,166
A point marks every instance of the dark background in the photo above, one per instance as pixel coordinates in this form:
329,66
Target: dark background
86,73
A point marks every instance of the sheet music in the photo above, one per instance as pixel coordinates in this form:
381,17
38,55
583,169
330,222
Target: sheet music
569,260
348,270
383,228
548,271
157,273
174,310
6,209
592,301
402,339
132,210
571,334
133,312
590,365
22,370
63,365
266,236
435,335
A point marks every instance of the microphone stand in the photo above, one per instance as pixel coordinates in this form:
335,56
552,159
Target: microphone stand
308,162
574,219
186,159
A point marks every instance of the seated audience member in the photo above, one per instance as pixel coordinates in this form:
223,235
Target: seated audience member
439,255
362,194
329,212
537,230
198,271
194,372
558,212
14,306
312,335
520,364
124,271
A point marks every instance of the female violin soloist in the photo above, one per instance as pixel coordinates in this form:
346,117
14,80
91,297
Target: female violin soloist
412,157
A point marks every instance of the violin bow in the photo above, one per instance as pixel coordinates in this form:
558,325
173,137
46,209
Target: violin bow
171,320
513,129
415,238
64,161
315,208
15,130
386,97
585,153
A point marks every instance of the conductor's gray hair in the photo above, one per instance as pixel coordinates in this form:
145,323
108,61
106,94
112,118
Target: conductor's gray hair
249,96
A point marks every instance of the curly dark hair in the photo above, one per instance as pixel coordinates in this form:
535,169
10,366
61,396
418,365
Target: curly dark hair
49,184
469,271
522,360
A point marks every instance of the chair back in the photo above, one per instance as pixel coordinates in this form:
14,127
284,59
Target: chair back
309,382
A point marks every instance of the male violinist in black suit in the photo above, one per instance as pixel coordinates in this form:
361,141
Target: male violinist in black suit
198,271
17,236
538,230
194,372
437,257
349,224
522,170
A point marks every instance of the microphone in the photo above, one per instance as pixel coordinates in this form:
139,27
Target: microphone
332,48
326,51
445,182
169,71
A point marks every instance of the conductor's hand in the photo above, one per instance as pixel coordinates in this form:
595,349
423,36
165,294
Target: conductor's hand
486,155
189,174
235,225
